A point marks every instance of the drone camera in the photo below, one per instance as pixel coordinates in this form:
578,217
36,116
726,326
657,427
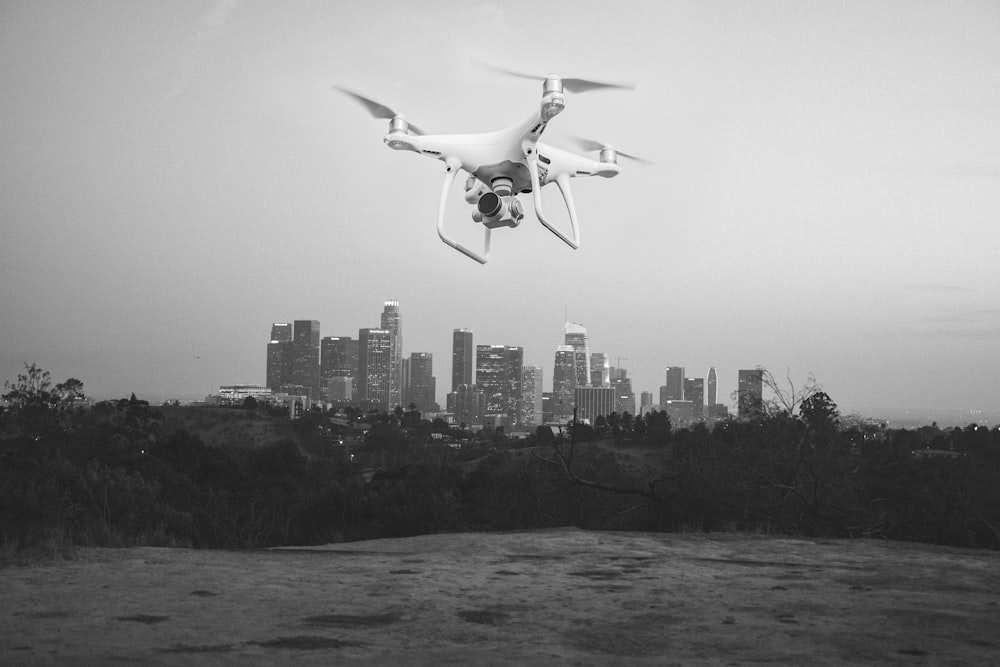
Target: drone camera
498,209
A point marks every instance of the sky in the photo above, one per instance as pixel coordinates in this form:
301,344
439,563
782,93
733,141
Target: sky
824,198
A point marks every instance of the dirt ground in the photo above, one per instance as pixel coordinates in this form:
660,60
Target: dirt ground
542,597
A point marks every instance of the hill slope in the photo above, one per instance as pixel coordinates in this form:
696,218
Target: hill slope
541,597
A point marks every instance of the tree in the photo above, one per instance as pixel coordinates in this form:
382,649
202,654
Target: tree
31,402
819,412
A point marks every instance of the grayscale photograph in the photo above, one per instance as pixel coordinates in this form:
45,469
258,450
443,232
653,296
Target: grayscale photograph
481,333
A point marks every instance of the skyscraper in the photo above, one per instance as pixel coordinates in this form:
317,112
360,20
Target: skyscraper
674,388
462,359
422,385
279,356
374,369
393,323
563,383
694,393
498,375
281,332
576,337
750,393
531,396
622,385
600,370
305,356
712,388
338,357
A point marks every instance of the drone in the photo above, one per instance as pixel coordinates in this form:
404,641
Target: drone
506,163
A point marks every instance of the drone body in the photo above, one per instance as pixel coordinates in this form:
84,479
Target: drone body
504,164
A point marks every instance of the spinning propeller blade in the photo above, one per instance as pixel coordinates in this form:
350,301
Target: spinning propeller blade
591,145
570,85
376,109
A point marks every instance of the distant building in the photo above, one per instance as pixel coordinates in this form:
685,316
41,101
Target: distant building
592,402
622,385
374,369
750,393
469,405
646,402
563,383
531,397
338,358
305,355
392,322
422,386
600,370
712,387
674,388
694,391
681,413
462,359
576,337
498,375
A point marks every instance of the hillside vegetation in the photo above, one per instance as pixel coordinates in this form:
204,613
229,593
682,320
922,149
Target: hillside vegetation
123,473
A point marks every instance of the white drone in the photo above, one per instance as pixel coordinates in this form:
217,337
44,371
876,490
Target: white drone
506,163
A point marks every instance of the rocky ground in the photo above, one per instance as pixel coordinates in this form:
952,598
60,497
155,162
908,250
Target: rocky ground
543,597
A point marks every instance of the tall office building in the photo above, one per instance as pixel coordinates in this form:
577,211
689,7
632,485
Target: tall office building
694,392
531,396
646,402
374,369
281,332
576,337
712,388
305,356
750,393
462,359
338,357
469,405
674,388
563,383
600,370
393,323
594,401
622,385
279,356
498,375
422,386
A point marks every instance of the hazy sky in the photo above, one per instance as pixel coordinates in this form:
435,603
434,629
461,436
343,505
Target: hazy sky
825,199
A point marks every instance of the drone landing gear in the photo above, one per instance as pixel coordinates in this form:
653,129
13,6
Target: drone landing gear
562,180
449,178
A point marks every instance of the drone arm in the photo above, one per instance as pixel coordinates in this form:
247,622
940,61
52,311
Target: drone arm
449,178
562,180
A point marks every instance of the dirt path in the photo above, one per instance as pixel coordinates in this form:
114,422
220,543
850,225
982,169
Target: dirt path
561,596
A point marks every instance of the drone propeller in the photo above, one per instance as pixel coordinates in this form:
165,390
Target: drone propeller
571,85
378,110
590,145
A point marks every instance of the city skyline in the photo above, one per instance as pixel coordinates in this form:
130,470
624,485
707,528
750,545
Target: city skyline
822,199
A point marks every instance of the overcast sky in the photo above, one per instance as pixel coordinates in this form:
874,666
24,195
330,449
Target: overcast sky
825,199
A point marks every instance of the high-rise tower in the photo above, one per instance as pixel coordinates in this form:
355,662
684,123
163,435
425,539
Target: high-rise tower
674,388
498,374
305,356
422,386
531,396
462,359
393,323
563,383
750,393
712,388
279,356
576,336
374,368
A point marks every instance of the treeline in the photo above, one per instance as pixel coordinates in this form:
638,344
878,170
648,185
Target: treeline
116,475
